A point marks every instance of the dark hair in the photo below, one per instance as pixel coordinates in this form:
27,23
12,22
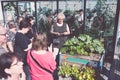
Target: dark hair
24,24
81,10
6,60
20,17
47,14
39,41
12,24
29,18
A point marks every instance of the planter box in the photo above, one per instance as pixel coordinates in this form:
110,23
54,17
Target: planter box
81,59
64,78
94,57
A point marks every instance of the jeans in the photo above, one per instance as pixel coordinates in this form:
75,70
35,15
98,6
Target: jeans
26,69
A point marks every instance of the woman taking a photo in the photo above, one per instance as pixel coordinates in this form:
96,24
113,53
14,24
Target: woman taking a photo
40,56
11,68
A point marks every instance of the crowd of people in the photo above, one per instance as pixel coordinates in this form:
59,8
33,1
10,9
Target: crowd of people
25,53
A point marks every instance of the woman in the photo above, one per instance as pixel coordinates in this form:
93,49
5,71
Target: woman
33,30
12,29
23,44
59,30
43,57
11,68
3,36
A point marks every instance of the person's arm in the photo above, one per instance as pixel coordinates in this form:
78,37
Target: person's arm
29,47
10,46
68,30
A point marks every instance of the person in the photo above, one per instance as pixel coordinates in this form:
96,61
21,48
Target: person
54,18
33,30
11,35
18,20
23,44
59,30
3,36
80,17
11,68
79,23
48,22
43,57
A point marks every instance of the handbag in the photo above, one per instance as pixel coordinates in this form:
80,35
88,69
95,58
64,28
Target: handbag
53,73
56,41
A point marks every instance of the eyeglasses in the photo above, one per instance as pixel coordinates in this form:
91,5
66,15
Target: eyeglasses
17,63
3,34
60,19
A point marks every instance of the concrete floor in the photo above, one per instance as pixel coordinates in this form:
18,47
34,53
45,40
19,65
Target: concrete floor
111,71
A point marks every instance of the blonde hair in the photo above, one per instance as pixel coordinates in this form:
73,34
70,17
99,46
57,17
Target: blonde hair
61,16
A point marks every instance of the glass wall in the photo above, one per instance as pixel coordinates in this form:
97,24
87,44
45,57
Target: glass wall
44,12
9,11
26,8
99,16
100,22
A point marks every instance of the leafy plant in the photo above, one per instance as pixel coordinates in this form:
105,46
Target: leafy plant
85,73
64,70
83,44
102,19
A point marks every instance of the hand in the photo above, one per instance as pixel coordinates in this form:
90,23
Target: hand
58,34
61,34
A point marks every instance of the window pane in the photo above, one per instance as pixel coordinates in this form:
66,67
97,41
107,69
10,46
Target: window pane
10,11
45,11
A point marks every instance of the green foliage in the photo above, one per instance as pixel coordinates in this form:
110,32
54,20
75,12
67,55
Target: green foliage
9,6
85,73
83,44
64,70
103,20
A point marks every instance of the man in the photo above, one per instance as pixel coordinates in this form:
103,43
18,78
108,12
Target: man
80,17
3,47
79,23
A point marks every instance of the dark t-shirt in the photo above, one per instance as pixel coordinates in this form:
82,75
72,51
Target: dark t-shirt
32,32
21,43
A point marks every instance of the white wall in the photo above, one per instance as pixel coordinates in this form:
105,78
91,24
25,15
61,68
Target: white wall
1,15
117,48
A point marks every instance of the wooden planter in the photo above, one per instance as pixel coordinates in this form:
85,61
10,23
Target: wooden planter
94,58
64,78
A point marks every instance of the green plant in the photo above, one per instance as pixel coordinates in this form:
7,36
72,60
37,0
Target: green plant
100,19
85,73
64,70
83,44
